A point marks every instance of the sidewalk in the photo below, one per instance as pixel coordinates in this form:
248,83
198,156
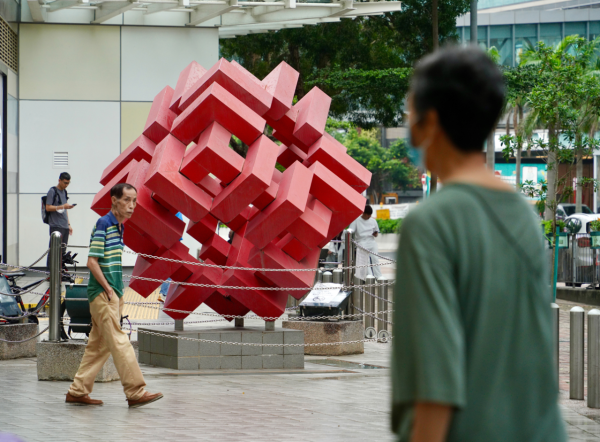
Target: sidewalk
332,399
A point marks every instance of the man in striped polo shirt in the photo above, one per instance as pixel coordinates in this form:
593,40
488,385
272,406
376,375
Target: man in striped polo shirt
105,293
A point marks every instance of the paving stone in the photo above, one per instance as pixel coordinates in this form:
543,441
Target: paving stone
231,350
169,345
252,362
170,362
329,332
156,344
231,362
188,348
142,342
18,332
189,363
207,348
209,362
144,357
272,361
293,361
60,361
157,360
255,338
293,337
275,337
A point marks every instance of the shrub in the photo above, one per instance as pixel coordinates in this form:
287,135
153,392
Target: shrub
389,225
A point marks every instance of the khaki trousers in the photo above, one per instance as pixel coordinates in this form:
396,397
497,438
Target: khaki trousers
105,339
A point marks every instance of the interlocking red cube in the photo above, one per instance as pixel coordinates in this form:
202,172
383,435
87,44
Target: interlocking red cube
183,163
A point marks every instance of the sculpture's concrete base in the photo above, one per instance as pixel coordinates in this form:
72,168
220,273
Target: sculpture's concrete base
17,332
180,354
321,331
59,361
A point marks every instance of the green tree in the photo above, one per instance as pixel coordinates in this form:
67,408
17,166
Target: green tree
519,83
341,58
386,165
563,100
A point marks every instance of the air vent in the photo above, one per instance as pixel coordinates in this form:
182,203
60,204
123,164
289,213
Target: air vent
60,160
9,46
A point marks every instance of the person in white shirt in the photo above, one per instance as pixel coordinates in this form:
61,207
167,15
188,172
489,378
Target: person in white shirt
365,230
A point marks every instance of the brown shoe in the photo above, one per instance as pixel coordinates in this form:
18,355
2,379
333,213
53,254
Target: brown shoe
144,400
82,400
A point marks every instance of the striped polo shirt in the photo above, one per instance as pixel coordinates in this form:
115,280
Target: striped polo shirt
106,244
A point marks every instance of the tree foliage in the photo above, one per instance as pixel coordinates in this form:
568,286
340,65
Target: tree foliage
386,164
362,63
562,97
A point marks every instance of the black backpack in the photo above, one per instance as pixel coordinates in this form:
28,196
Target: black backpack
44,213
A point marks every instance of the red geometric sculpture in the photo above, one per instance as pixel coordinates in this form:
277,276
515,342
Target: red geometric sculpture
183,163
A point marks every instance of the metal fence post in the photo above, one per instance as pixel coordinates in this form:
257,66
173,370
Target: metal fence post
356,297
319,275
577,317
55,283
348,256
555,321
327,277
574,259
337,276
385,294
369,301
593,361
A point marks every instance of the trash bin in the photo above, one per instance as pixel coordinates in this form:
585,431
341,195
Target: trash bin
78,308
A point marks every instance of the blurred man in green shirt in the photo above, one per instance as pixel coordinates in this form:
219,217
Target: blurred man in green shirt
472,348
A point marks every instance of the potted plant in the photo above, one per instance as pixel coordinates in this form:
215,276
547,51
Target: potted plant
595,233
563,239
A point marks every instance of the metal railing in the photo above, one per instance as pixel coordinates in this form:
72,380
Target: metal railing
579,263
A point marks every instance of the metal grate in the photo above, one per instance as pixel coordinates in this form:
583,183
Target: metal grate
60,160
9,46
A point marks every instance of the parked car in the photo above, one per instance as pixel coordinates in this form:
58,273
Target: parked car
564,211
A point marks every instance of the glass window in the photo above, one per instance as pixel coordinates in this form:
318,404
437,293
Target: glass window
482,37
525,39
551,34
575,28
466,34
501,39
594,29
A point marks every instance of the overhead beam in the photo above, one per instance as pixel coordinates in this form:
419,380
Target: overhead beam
374,8
348,6
279,16
205,13
38,14
109,10
276,26
65,4
153,8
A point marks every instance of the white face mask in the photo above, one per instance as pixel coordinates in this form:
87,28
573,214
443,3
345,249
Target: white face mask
60,210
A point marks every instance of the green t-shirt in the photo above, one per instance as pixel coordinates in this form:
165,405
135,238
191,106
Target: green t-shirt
472,319
106,244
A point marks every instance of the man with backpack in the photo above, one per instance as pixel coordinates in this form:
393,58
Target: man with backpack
55,206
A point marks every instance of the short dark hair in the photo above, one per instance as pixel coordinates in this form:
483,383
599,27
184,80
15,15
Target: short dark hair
64,176
467,90
117,190
368,210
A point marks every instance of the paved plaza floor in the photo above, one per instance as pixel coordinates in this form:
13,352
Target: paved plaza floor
327,401
332,399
